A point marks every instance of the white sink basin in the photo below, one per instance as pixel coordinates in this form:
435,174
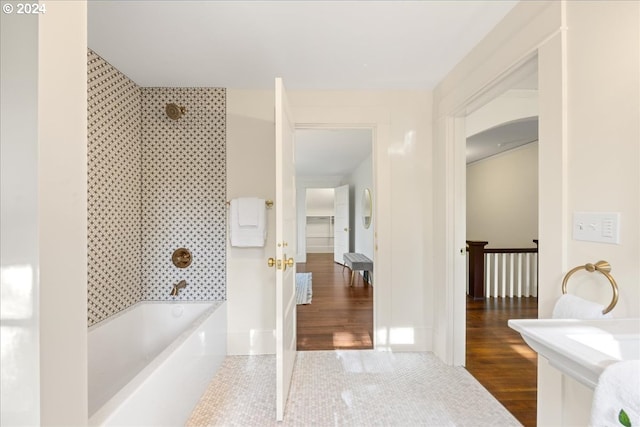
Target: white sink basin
581,348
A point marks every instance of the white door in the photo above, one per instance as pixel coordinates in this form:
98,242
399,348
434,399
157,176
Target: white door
341,224
285,212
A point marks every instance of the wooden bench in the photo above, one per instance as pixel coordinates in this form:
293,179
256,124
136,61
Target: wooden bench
356,262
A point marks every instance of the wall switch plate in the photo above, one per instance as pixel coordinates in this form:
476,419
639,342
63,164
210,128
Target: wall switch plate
603,227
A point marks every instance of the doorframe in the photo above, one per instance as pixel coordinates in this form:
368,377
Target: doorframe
551,178
522,70
340,214
456,141
321,125
543,36
330,182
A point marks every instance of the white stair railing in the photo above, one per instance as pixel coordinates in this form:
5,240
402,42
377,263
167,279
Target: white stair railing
510,274
505,273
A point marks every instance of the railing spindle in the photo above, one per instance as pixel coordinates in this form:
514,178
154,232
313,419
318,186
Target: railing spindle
501,272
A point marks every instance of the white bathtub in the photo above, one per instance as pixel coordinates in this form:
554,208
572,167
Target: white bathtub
150,364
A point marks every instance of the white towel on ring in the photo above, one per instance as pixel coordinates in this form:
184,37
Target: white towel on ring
572,307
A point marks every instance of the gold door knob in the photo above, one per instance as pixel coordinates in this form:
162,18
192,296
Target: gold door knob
290,262
271,262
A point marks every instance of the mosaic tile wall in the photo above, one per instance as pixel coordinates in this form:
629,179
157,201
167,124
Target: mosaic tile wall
155,185
114,205
184,192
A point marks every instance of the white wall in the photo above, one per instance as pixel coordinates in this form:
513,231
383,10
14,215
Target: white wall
588,55
44,266
19,321
402,132
604,137
360,179
251,313
320,201
603,173
502,198
62,222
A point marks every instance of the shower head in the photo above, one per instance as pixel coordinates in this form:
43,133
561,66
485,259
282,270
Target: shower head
174,111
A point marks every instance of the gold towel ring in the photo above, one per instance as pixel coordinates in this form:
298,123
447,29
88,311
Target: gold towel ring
603,267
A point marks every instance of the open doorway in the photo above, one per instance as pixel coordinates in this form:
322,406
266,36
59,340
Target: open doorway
502,235
333,168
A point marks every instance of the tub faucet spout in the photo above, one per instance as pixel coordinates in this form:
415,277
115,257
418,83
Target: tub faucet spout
176,288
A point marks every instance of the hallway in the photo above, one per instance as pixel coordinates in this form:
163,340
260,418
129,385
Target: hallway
339,316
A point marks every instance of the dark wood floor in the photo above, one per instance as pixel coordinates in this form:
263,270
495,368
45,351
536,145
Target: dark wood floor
498,357
339,316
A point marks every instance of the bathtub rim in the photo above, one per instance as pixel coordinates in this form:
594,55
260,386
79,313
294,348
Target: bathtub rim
124,311
104,412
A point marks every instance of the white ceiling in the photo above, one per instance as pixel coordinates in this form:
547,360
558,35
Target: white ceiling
315,45
311,44
331,152
502,138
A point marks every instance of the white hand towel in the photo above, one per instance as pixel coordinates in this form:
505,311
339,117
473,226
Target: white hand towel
248,211
572,307
618,390
247,236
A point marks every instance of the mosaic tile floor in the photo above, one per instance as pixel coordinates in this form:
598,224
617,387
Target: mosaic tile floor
349,388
